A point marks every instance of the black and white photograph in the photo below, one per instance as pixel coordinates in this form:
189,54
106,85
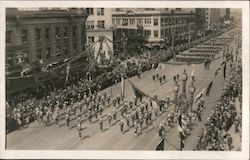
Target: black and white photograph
124,78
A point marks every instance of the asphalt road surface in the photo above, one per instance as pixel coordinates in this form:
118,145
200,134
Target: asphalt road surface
37,136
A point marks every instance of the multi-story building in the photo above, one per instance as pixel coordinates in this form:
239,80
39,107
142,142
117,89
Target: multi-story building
200,21
49,35
99,24
213,18
158,24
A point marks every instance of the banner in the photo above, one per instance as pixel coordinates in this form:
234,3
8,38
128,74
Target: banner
209,88
138,93
160,146
199,95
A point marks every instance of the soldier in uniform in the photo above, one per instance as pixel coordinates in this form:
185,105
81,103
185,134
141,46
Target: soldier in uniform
135,129
101,124
153,77
160,79
118,100
114,115
128,120
121,125
109,118
131,104
56,116
164,78
157,76
79,127
67,117
141,122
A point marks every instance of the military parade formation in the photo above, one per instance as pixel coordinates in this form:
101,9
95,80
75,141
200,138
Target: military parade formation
72,106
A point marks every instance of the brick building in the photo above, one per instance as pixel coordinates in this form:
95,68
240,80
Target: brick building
158,24
49,35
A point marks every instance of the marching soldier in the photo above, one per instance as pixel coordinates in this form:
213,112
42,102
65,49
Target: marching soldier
153,77
136,129
101,124
67,117
131,104
56,117
118,100
128,120
114,115
121,125
141,122
109,118
79,127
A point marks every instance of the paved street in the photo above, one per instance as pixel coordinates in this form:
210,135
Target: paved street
52,138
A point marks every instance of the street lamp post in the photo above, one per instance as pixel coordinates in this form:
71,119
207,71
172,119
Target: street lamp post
184,78
191,91
176,90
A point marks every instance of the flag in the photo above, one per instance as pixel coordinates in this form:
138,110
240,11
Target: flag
179,127
67,72
209,88
225,71
160,146
199,95
222,63
217,71
137,91
122,86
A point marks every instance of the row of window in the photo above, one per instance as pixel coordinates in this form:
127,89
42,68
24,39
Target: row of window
60,32
181,20
99,11
132,21
91,25
147,21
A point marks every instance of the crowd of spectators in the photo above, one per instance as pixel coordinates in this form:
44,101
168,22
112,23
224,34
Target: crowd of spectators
214,135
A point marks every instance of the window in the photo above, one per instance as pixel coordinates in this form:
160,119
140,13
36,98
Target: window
156,34
147,21
47,53
38,34
90,24
113,21
39,53
125,22
24,36
8,37
155,22
118,21
101,24
100,11
74,31
47,33
90,11
57,32
147,33
58,51
132,21
91,39
139,21
65,32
